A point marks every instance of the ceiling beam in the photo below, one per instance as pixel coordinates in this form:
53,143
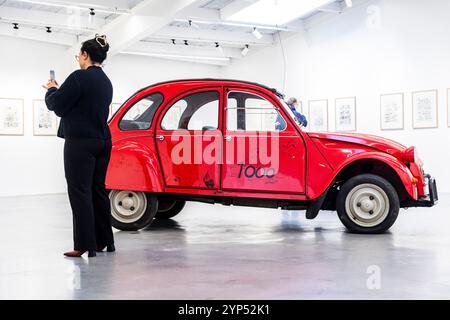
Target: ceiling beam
41,18
120,6
37,35
224,37
216,61
200,13
144,19
334,7
195,50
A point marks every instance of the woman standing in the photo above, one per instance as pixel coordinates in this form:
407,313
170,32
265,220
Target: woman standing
83,102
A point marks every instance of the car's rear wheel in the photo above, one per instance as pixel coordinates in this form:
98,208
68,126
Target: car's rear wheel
132,210
168,209
367,203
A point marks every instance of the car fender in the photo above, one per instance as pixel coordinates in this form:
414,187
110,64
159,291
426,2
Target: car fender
134,166
400,168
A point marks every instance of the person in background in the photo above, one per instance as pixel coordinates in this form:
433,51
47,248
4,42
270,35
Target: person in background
83,102
293,104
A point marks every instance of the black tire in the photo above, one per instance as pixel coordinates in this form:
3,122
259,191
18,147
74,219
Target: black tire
144,217
169,209
360,183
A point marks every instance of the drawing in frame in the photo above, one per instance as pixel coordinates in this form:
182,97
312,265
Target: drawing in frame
392,111
424,109
448,108
113,109
45,122
318,115
345,114
11,116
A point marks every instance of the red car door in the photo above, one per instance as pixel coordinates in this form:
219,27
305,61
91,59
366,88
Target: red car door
262,149
188,139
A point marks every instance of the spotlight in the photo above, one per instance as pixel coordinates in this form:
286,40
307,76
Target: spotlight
245,51
219,47
173,41
256,33
49,29
349,3
91,15
192,24
15,26
186,43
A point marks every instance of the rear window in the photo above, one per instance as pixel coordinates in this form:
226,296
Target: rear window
141,114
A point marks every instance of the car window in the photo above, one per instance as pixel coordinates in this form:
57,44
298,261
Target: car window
250,112
140,115
197,111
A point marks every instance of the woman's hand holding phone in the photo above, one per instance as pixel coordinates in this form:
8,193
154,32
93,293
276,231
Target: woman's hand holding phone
50,84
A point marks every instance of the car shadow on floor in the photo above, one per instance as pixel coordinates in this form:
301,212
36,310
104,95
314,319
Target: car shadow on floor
164,224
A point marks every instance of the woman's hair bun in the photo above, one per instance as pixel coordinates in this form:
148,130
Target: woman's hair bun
102,41
97,48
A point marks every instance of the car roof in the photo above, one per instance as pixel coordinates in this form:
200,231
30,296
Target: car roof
273,90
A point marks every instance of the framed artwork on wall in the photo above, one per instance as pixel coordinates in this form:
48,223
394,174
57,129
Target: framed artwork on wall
392,111
45,122
424,106
345,114
113,109
318,115
11,116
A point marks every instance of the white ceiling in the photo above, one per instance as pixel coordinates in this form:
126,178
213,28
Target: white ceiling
189,30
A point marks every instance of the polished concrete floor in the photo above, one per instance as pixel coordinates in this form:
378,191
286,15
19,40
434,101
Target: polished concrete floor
216,252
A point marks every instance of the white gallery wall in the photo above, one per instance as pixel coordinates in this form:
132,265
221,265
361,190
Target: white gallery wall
33,164
377,47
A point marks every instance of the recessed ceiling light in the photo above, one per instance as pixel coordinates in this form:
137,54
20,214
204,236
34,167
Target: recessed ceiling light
277,12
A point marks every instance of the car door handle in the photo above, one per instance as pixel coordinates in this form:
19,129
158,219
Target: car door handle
160,138
228,138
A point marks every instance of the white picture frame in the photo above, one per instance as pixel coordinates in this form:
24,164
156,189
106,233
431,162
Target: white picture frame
392,111
45,122
318,115
345,114
11,117
425,109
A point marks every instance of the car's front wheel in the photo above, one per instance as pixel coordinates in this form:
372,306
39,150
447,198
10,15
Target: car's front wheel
367,203
132,210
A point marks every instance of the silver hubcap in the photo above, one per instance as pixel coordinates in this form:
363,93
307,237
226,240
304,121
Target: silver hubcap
127,206
367,205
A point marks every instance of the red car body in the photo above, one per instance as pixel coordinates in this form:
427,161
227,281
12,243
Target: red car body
311,165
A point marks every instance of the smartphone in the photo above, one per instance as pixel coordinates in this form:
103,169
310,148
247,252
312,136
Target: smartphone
52,74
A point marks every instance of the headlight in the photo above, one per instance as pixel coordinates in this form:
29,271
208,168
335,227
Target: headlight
410,155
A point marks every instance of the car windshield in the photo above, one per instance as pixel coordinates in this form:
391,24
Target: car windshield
289,111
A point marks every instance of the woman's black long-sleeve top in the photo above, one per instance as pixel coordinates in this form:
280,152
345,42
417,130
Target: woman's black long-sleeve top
82,102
